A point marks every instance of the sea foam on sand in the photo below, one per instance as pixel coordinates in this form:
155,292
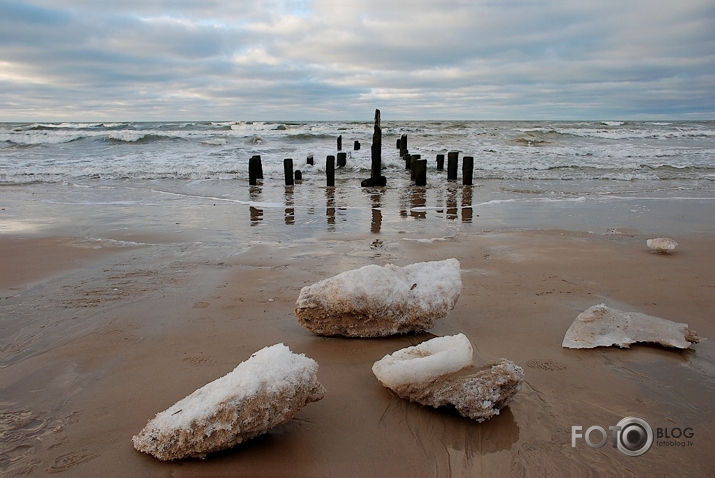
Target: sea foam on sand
375,301
260,393
440,372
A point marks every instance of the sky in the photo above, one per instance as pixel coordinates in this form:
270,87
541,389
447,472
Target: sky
144,60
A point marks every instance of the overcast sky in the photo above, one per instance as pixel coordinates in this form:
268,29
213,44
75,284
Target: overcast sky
87,60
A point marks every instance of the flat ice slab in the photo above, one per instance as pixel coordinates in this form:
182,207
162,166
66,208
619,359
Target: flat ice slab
262,392
440,372
601,326
376,301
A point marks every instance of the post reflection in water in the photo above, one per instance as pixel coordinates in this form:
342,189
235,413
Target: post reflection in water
289,211
404,203
451,202
418,198
256,213
330,207
376,221
467,204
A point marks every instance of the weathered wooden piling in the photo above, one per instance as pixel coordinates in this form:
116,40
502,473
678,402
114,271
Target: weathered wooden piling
419,169
397,145
342,159
408,160
298,175
340,142
403,144
288,171
452,164
467,170
330,170
259,166
309,159
413,162
376,177
440,162
356,146
252,171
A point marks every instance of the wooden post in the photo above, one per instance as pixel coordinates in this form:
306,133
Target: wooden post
330,170
399,142
288,170
403,144
340,142
356,146
408,161
467,170
298,175
420,172
309,159
252,171
452,164
440,162
413,164
376,151
342,159
259,166
376,177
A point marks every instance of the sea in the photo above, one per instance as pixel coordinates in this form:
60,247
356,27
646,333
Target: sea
655,176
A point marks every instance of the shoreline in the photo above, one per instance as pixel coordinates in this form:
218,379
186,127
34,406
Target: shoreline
182,317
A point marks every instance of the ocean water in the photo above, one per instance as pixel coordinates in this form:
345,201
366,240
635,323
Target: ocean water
583,175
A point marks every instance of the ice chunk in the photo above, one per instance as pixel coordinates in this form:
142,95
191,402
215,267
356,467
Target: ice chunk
440,372
425,361
661,245
601,326
260,393
376,301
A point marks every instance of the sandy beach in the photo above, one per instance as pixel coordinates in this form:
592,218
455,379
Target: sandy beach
101,335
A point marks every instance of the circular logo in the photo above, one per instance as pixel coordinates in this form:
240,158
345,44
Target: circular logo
634,437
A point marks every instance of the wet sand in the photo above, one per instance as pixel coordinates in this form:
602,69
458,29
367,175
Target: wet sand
150,331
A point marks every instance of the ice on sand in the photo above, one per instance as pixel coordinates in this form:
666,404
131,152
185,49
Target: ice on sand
376,301
440,372
661,245
601,326
260,393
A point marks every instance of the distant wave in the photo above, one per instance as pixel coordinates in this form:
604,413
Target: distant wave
138,137
307,137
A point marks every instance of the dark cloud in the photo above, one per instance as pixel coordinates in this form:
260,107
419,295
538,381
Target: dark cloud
321,59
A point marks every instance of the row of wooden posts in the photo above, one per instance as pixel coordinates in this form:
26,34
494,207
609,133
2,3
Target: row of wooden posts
413,162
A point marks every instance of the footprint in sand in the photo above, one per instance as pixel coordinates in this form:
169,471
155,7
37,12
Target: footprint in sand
546,364
201,305
199,361
68,460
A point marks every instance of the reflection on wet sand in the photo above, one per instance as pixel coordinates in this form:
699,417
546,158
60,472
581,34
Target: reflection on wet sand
330,207
418,199
451,202
467,204
376,221
256,214
462,438
414,203
289,210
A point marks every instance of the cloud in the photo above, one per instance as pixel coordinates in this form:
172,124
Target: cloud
321,59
